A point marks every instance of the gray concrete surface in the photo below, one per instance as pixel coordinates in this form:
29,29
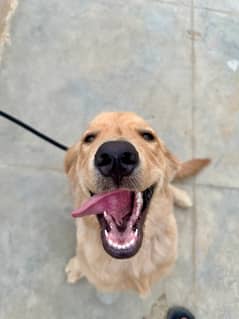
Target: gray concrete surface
176,63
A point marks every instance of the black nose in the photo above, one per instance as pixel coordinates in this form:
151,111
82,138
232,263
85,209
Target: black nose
116,159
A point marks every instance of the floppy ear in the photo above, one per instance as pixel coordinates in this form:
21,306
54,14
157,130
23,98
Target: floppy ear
172,164
70,160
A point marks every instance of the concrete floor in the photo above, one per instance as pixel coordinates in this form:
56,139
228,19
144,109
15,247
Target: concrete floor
176,63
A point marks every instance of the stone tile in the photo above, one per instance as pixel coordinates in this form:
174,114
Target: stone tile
216,253
108,56
227,6
37,237
217,94
22,149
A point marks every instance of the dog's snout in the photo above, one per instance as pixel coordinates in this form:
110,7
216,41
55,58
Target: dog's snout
116,159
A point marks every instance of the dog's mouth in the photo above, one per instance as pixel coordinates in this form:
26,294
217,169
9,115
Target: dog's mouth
121,214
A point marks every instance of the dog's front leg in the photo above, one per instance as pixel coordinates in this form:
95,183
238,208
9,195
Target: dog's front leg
73,270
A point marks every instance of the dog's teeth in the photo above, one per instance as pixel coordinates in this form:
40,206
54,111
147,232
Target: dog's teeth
120,246
136,232
106,233
139,202
138,195
139,198
105,215
138,210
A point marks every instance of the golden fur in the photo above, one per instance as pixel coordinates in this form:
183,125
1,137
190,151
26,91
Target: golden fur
157,164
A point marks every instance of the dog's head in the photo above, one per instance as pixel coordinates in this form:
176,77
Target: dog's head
117,166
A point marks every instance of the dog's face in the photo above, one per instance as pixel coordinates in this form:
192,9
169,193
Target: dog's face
118,165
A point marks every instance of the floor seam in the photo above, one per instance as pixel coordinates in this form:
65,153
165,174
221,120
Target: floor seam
217,11
225,12
209,185
218,186
193,142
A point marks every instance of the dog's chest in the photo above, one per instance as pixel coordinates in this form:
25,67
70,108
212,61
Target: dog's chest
154,252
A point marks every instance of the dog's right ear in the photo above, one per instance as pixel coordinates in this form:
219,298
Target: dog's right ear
172,164
70,160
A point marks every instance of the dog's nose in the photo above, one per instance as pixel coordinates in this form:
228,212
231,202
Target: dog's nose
116,159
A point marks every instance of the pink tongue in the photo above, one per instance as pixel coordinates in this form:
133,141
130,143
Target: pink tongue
116,203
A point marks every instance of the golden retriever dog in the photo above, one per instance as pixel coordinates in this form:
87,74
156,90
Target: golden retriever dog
121,174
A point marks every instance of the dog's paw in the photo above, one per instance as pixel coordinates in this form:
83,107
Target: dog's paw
184,201
181,198
72,270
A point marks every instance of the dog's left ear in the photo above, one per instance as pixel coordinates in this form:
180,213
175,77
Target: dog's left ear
70,160
172,164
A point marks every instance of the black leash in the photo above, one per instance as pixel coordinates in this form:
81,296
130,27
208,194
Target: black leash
33,131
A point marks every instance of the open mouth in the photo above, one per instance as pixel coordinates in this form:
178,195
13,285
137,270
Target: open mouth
121,214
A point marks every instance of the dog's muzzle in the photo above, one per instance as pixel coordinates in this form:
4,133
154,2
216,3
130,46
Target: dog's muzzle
120,209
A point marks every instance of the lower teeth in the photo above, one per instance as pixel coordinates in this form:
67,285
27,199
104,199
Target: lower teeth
118,246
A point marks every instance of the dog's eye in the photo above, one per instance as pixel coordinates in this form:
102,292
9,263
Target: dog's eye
148,136
89,138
